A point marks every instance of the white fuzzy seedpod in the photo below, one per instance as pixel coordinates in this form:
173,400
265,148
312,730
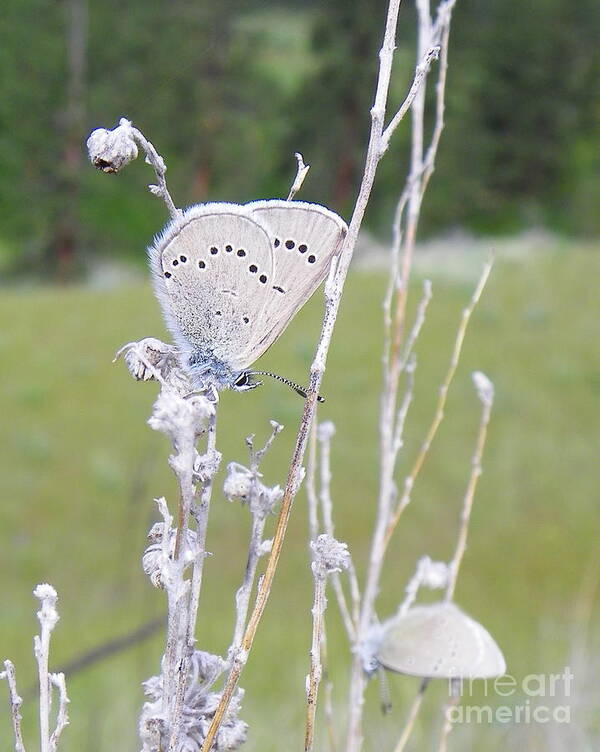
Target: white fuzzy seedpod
111,150
484,387
47,615
326,430
330,555
265,547
178,416
432,574
240,485
238,482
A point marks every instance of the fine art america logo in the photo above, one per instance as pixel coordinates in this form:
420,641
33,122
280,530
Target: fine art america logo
537,698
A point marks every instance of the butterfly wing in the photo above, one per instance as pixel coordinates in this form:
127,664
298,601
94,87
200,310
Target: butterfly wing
305,238
211,268
439,640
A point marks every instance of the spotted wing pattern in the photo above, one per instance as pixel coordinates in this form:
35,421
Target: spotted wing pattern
305,237
212,269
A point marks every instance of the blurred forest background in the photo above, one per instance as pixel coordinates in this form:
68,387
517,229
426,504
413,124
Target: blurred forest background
228,91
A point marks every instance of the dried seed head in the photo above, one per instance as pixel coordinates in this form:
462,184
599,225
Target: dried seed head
241,485
238,482
180,418
47,615
330,555
199,707
265,547
432,574
326,430
484,387
111,150
149,359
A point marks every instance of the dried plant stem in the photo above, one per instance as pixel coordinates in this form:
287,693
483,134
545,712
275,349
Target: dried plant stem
420,74
403,410
178,672
324,433
412,716
62,719
451,703
242,598
154,159
184,595
441,403
417,325
173,617
42,647
182,464
301,172
328,704
333,292
314,677
15,704
465,516
311,489
48,617
419,174
200,510
441,27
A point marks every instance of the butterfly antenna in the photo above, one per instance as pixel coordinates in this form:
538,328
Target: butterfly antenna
288,382
384,691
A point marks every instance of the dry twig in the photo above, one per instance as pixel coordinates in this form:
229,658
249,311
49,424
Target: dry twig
409,481
15,704
301,172
485,392
412,716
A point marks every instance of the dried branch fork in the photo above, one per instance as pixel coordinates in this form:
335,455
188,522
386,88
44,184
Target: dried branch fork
15,704
48,618
410,479
245,485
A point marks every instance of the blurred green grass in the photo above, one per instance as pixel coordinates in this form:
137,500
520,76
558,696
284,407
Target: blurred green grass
80,468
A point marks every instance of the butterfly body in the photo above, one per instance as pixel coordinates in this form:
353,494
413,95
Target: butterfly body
230,277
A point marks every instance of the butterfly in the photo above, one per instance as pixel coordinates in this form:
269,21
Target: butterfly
229,279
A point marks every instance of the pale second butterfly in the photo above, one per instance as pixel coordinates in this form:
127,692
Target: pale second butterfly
230,277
